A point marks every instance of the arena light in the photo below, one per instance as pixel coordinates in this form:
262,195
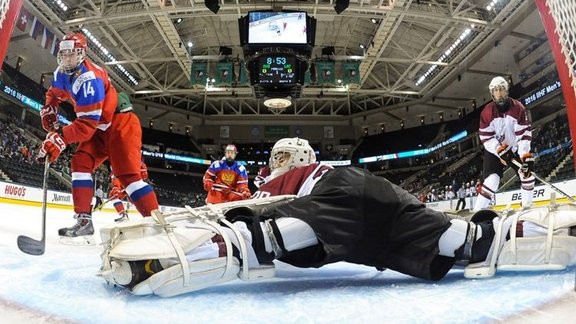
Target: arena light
61,4
446,56
108,56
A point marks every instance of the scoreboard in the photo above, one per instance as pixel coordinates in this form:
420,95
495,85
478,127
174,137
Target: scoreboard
277,69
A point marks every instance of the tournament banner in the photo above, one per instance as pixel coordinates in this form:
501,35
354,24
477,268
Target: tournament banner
199,73
224,73
351,73
244,78
325,73
307,77
9,11
271,132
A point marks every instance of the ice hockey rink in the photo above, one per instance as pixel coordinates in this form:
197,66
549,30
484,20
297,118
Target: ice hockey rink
61,286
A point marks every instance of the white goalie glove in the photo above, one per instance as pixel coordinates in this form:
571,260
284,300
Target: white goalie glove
184,251
535,239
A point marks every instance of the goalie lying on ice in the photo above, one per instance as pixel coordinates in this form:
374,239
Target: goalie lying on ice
344,214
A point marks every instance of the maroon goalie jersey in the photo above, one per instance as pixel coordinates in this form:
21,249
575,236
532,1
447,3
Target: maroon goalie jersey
299,181
360,218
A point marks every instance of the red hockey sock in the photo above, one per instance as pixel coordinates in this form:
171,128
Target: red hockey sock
141,194
82,192
119,206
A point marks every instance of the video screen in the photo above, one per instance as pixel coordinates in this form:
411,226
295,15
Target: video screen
267,27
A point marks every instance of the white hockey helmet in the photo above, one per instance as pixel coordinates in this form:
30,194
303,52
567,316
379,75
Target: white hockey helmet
290,153
499,83
230,151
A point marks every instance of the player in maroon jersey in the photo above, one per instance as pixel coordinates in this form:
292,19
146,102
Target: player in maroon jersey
506,134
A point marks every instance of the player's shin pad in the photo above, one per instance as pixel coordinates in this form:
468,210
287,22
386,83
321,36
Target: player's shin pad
554,248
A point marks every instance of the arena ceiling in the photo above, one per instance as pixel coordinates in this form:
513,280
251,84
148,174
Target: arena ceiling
403,39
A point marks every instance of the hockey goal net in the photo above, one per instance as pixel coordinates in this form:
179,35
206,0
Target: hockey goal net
3,11
559,19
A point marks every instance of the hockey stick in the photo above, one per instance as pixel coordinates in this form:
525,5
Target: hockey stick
27,244
519,165
99,207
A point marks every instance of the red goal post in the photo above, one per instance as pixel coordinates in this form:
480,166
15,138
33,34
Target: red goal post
559,20
9,10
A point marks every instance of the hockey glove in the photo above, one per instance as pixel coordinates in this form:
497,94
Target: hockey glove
208,185
51,148
117,193
246,194
527,164
505,154
144,173
49,115
261,177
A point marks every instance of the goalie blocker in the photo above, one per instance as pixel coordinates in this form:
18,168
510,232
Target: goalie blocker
198,248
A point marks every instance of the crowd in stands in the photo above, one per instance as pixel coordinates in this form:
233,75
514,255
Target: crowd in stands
17,156
429,177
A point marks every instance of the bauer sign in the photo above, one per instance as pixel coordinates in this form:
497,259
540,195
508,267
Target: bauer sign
541,194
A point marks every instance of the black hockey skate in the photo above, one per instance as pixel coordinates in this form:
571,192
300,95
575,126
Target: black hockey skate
123,217
81,233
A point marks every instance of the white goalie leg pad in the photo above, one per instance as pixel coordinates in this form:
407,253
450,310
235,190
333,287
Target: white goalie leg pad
546,244
208,272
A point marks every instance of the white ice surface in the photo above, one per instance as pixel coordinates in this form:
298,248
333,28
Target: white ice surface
61,285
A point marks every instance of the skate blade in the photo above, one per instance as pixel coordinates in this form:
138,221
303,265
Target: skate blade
85,240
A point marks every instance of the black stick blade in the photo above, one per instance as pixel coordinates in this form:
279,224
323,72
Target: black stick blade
31,246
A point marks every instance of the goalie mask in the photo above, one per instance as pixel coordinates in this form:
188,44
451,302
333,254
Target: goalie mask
290,153
499,91
72,52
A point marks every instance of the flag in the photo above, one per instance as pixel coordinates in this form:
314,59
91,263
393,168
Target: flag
55,47
36,29
23,19
47,39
